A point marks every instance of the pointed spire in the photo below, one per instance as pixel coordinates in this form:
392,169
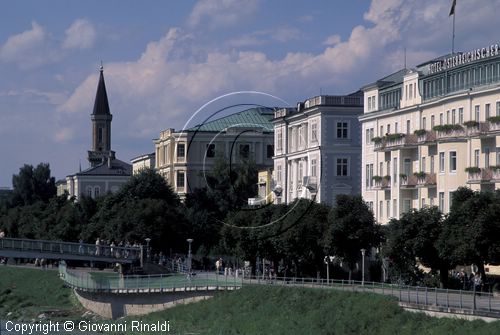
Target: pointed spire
101,105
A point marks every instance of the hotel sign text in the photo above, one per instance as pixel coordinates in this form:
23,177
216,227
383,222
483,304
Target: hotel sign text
464,58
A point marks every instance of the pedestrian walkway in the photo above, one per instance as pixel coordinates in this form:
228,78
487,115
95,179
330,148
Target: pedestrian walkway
58,250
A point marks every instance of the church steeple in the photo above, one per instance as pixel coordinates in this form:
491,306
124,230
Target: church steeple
101,125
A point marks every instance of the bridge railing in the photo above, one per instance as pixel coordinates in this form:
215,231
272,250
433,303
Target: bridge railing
113,282
84,249
475,301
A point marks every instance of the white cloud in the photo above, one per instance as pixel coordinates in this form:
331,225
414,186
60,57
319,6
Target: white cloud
80,35
221,13
306,18
332,40
18,45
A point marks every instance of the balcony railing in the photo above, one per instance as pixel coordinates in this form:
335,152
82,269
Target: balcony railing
482,176
454,134
480,128
407,181
428,137
383,183
395,141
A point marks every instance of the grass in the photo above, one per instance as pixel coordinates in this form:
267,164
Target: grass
279,310
26,293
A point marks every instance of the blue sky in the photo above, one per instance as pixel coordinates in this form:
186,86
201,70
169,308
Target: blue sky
165,59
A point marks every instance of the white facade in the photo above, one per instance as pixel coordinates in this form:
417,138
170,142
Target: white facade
146,161
426,132
317,149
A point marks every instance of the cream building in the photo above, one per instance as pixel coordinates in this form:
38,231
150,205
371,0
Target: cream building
146,161
183,157
429,130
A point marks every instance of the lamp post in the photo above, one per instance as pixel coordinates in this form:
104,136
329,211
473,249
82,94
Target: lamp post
363,266
189,240
148,252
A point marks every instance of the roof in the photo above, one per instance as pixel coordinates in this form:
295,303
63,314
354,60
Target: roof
393,78
253,117
118,168
101,105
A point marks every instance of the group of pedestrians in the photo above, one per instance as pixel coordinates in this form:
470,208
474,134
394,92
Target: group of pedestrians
474,281
109,248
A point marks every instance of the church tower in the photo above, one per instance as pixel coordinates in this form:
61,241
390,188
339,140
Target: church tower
101,126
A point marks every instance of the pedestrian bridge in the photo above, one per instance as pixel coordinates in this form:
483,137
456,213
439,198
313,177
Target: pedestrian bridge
58,250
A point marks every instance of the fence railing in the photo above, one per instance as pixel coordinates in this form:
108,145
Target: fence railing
115,283
70,248
484,302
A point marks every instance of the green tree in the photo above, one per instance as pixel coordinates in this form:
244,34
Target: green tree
416,236
352,227
33,184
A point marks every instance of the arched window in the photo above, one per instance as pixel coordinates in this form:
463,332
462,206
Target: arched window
97,190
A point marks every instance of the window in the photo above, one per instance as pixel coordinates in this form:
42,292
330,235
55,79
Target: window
381,131
342,129
461,115
180,178
440,119
270,151
313,167
97,190
279,140
487,111
406,205
432,121
388,208
441,201
476,158
180,150
476,112
301,137
447,117
432,164
395,170
422,164
369,103
380,208
411,91
422,204
367,176
244,150
450,199
424,123
367,136
453,161
381,169
89,191
394,207
441,162
408,128
388,129
300,173
371,133
342,167
210,150
487,157
498,108
498,155
453,116
396,129
314,132
279,173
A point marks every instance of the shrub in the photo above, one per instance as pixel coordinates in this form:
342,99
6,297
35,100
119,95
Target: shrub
420,132
494,119
377,140
391,137
471,124
447,127
420,174
377,178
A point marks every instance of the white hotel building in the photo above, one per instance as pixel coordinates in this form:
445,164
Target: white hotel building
430,130
317,149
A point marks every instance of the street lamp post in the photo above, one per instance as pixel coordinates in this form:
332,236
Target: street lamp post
363,266
189,240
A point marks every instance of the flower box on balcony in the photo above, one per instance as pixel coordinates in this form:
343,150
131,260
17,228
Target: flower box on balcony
420,132
394,137
377,140
420,175
377,179
471,124
447,127
494,119
472,169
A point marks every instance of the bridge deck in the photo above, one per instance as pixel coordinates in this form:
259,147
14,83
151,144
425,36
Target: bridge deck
28,248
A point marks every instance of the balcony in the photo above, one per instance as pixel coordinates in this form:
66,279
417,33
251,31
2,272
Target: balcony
494,124
395,142
406,181
425,136
450,133
425,179
380,183
477,175
477,129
